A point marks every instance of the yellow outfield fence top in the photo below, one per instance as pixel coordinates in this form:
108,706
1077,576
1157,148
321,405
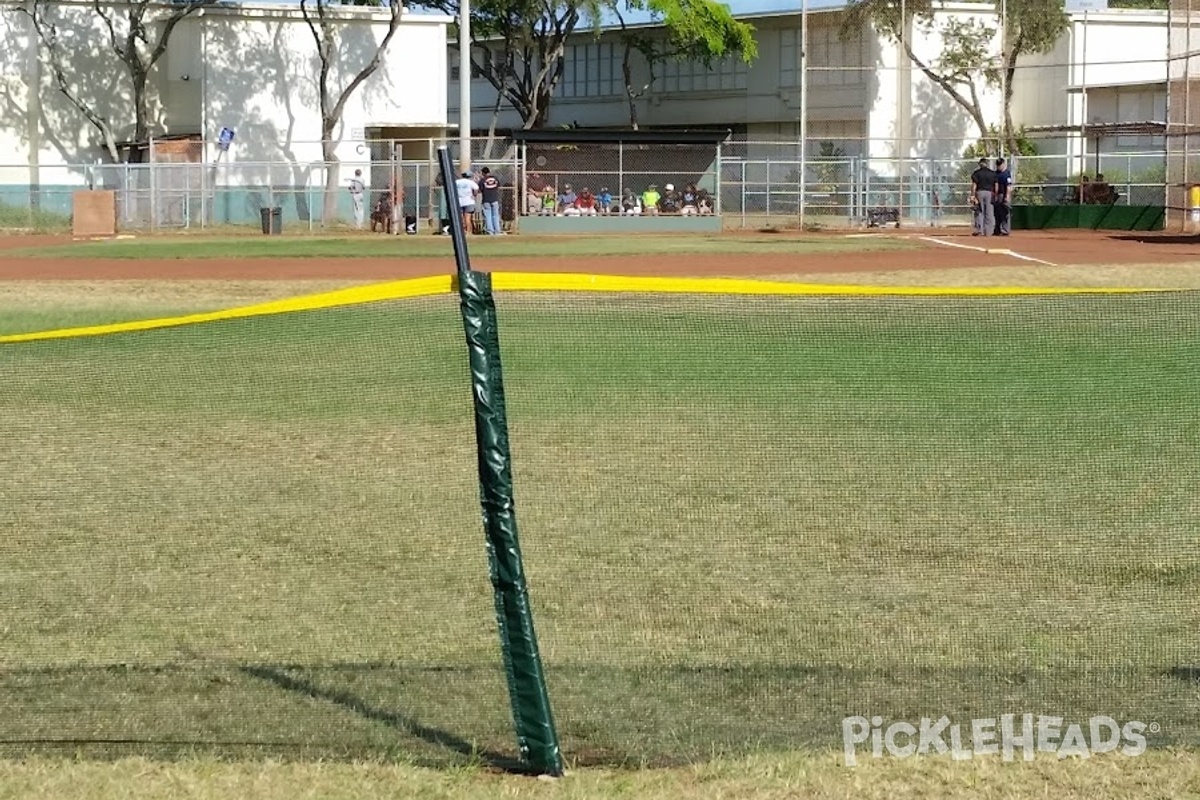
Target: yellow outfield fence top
552,282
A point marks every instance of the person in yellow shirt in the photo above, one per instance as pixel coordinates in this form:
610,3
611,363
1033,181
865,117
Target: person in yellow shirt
650,199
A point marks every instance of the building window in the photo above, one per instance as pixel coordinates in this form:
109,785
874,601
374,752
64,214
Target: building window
831,61
789,57
591,70
727,74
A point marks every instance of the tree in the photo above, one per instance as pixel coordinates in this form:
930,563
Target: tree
129,30
692,30
325,25
518,46
970,50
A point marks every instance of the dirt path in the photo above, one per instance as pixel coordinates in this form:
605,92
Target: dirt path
939,250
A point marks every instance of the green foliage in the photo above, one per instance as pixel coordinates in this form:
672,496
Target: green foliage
831,170
520,44
1156,174
696,30
25,218
1030,176
972,49
986,146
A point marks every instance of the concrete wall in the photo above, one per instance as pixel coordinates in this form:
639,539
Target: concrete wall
1120,57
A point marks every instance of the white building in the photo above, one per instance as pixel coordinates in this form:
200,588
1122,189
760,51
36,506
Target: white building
1103,88
249,67
865,94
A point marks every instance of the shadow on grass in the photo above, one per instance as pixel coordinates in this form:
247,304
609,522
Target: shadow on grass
458,714
282,678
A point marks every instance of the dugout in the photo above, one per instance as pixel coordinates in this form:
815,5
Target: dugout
619,159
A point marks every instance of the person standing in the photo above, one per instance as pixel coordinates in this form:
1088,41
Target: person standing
489,194
1003,199
357,188
466,189
983,189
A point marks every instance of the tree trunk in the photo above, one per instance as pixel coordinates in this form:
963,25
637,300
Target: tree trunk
141,122
627,74
332,173
541,114
1009,132
110,144
491,134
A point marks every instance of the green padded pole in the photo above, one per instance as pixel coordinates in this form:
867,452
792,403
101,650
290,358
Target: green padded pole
530,699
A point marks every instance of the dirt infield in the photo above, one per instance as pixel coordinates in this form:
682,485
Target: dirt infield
940,249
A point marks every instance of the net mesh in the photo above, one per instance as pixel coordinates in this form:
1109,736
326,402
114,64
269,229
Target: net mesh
743,520
253,536
1182,136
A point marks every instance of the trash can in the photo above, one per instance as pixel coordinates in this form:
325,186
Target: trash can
272,220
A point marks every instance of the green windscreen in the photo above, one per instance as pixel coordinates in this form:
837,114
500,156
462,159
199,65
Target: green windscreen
745,520
255,537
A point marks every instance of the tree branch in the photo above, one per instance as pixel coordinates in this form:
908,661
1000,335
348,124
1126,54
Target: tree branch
950,88
47,34
376,60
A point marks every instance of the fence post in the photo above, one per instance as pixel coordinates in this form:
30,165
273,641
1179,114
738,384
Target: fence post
866,182
1128,179
717,183
767,163
742,185
203,183
621,169
149,168
518,192
537,737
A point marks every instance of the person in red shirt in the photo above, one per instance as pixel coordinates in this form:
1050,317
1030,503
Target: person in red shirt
586,203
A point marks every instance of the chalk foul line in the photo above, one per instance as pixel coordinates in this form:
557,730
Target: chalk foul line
994,251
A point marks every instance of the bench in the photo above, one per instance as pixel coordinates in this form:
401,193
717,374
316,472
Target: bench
878,217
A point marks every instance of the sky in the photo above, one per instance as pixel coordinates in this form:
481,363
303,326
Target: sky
740,7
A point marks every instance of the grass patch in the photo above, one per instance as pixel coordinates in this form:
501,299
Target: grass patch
33,219
27,306
362,246
822,777
743,520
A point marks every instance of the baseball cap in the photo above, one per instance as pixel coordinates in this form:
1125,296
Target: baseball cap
670,187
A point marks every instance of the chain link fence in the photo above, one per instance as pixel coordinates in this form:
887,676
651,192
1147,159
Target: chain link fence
1183,114
620,178
749,182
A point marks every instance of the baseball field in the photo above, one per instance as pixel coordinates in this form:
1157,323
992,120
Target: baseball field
243,557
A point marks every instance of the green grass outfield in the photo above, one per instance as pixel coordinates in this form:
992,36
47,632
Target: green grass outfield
364,246
743,520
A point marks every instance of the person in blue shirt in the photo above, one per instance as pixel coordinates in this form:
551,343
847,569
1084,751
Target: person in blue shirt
1003,198
604,200
566,200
